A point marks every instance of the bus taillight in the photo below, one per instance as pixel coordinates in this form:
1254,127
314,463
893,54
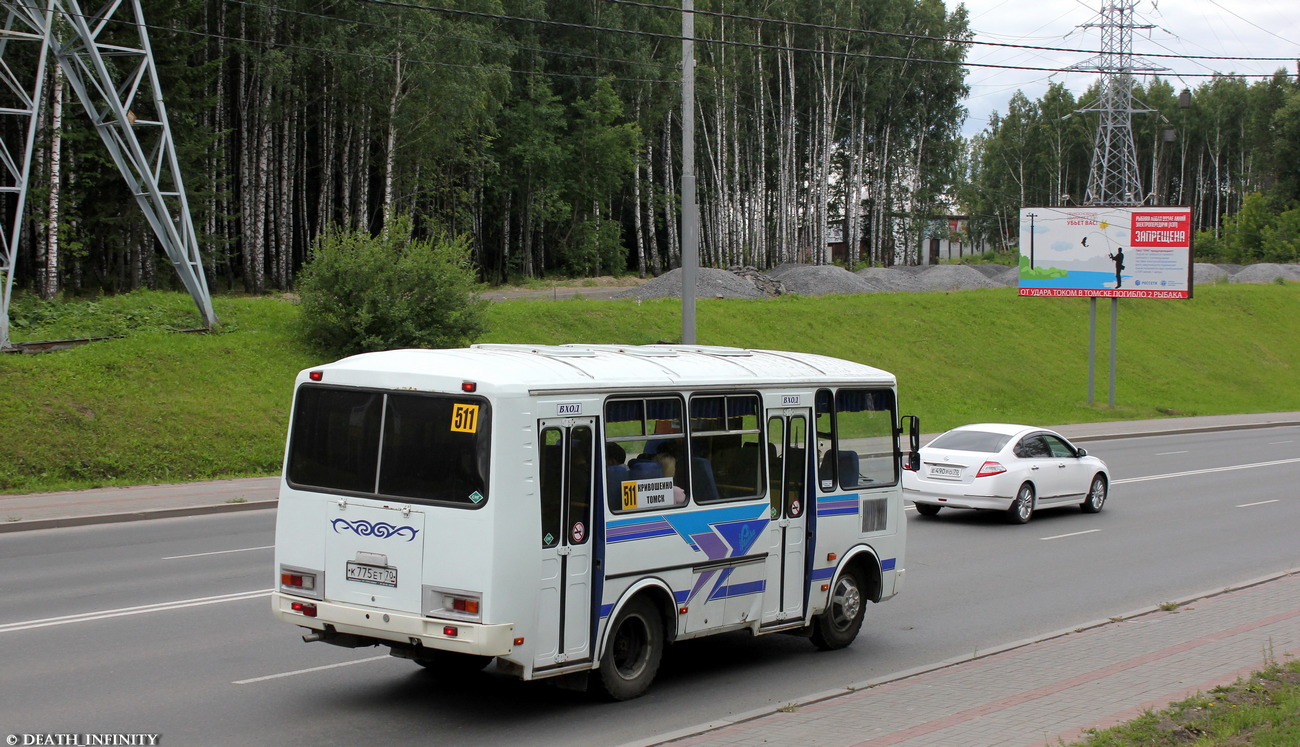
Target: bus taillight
298,580
309,610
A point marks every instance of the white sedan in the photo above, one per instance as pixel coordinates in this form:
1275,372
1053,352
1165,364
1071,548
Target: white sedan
1011,468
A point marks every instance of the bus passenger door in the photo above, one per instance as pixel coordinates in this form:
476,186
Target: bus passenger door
566,489
787,439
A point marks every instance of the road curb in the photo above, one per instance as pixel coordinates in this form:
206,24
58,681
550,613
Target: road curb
1177,431
825,695
160,513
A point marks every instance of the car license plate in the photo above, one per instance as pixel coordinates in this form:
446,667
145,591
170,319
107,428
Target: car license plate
372,574
939,471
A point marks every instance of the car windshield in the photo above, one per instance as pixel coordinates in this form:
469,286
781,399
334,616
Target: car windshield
982,441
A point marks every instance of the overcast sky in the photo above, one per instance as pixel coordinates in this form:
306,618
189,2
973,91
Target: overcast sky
1259,28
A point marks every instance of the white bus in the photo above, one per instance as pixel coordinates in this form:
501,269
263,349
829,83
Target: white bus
570,510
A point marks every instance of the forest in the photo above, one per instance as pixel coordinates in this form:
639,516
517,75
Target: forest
546,135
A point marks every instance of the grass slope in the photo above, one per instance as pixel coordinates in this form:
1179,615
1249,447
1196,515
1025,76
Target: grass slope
158,406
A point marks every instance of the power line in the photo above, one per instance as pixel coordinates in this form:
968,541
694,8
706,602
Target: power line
922,37
753,45
485,42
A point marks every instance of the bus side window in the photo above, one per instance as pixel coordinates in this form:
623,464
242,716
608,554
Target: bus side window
775,454
647,436
726,457
825,439
551,467
867,455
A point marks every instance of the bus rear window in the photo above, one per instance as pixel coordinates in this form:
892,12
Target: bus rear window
426,448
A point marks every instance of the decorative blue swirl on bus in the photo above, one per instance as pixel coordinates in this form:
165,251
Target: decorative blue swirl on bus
378,529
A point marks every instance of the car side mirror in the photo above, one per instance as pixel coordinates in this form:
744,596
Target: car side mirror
1082,453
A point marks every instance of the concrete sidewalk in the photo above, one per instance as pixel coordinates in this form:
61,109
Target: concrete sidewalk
1043,692
108,505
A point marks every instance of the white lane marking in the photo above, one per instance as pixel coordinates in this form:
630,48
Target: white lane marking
307,671
1071,534
125,611
219,552
1279,443
1207,471
1259,503
1171,453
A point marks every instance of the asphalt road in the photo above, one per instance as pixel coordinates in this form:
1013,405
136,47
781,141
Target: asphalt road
164,626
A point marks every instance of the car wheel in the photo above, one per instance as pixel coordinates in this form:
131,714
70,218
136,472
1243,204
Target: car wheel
1022,508
927,509
839,624
1096,495
636,644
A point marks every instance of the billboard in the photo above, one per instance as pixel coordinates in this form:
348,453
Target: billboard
1106,252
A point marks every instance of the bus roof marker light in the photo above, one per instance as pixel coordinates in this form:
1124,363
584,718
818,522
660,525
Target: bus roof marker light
469,387
316,375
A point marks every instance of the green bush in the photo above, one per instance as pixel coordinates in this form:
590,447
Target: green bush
362,293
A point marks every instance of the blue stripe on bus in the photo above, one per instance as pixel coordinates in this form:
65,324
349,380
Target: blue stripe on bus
628,536
837,505
678,596
822,574
740,590
626,531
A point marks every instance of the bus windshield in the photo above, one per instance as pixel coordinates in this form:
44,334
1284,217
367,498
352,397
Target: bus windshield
420,447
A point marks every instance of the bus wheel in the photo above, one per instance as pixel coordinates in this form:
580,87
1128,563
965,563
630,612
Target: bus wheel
452,662
636,644
839,624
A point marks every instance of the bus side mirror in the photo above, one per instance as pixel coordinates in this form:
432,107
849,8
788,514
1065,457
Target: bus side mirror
912,427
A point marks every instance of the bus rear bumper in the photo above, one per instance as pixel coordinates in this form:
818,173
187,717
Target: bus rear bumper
364,626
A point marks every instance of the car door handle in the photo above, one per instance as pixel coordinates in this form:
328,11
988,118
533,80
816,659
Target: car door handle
1035,467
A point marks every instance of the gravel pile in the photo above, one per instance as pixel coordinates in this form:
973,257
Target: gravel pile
1266,272
954,278
820,280
709,283
892,279
1204,273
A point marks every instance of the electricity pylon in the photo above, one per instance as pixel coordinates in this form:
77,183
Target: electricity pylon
1113,178
109,64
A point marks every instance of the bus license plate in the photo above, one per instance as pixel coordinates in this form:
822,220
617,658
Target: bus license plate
372,574
945,472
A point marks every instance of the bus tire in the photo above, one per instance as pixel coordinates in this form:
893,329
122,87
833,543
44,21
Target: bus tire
452,662
839,624
632,655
